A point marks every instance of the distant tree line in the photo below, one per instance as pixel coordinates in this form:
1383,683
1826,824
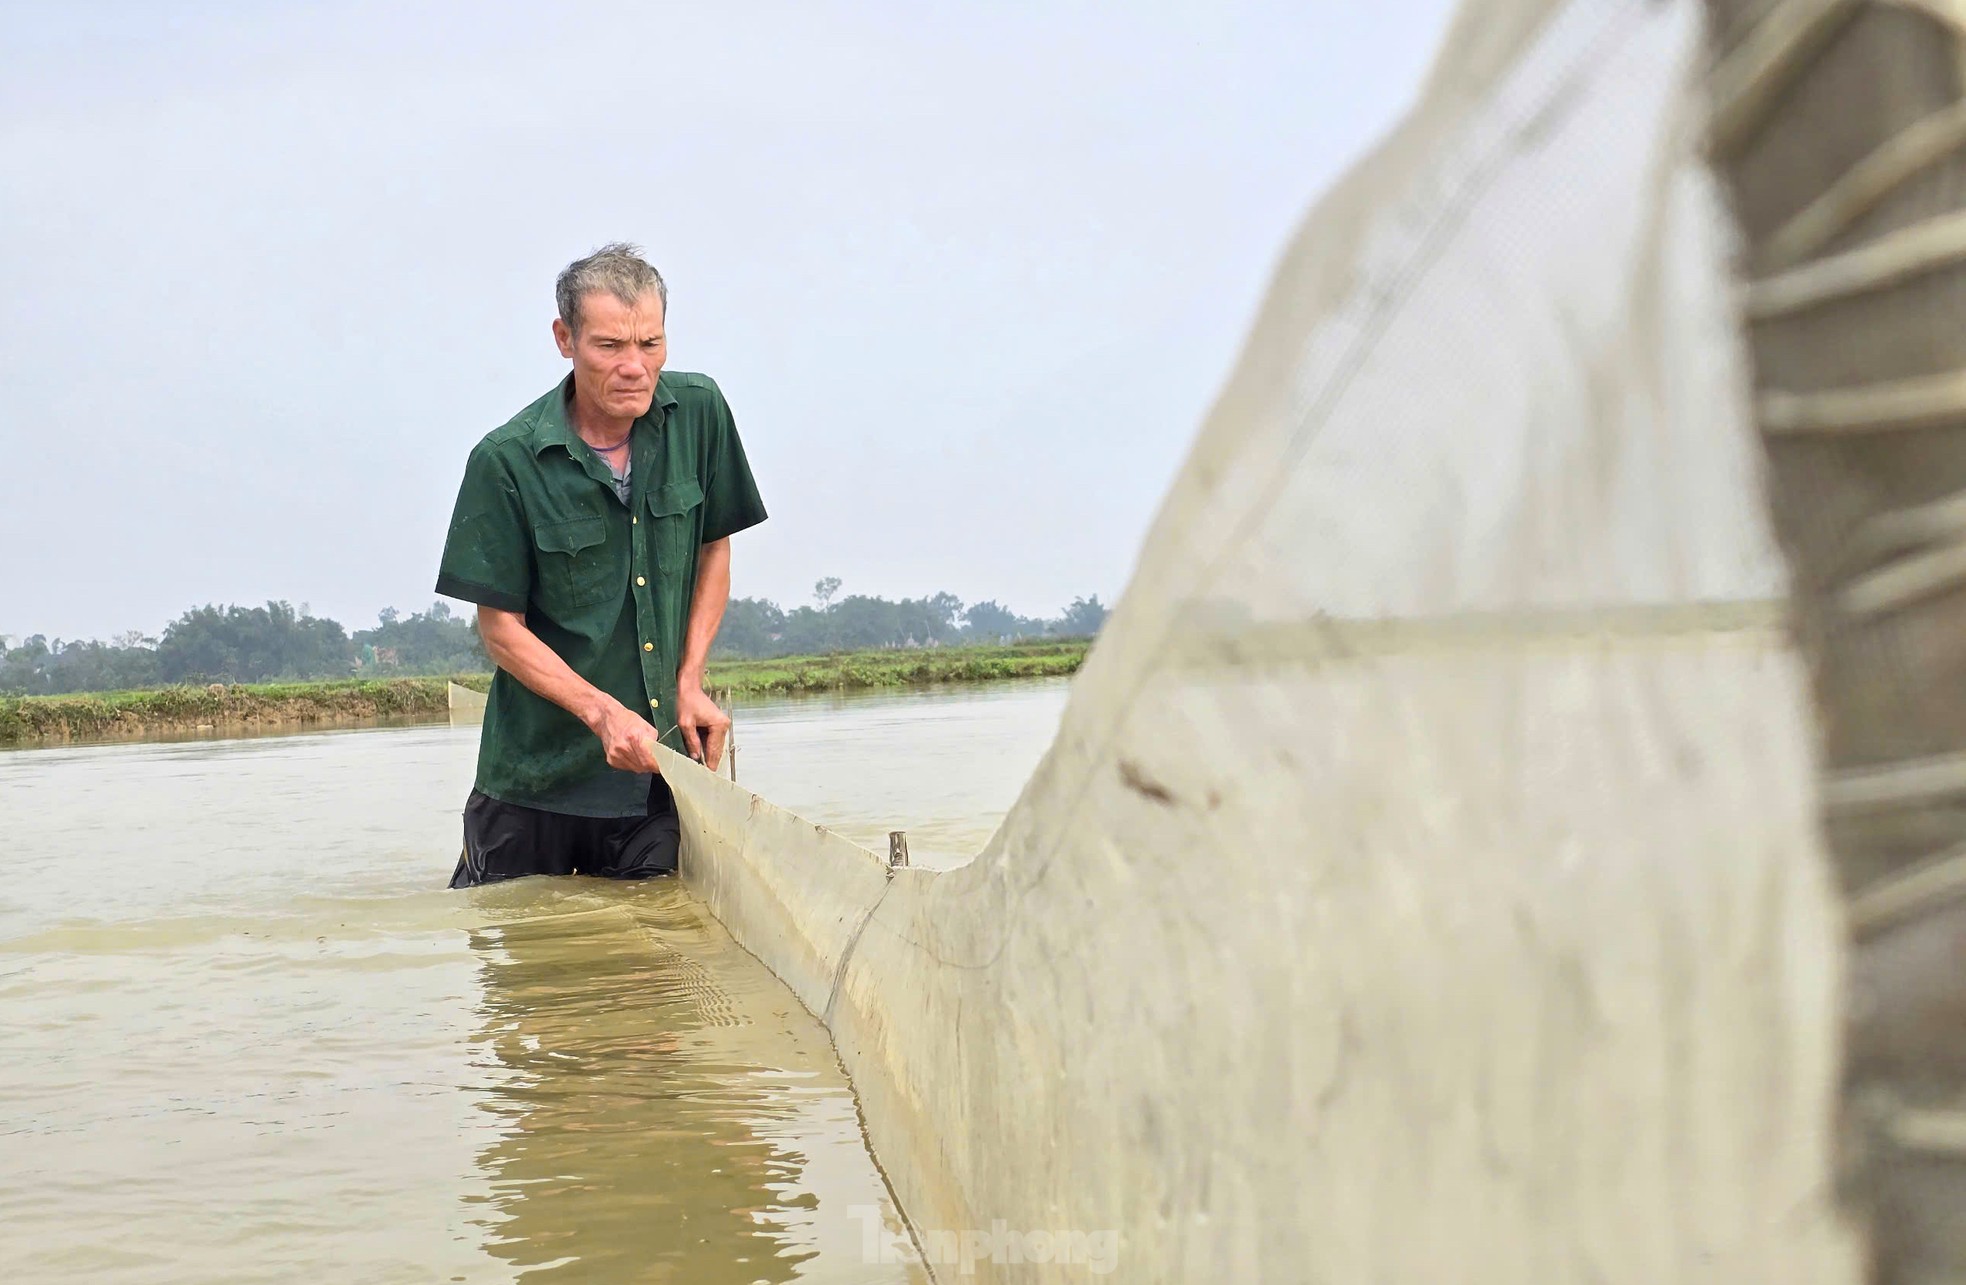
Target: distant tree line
758,627
213,644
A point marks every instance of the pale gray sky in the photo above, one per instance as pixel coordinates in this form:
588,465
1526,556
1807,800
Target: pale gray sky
969,274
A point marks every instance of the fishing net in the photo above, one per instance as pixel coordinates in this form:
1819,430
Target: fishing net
1429,879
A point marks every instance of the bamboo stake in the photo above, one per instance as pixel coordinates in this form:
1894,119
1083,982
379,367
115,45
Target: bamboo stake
730,742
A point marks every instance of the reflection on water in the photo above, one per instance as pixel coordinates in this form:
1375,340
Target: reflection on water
246,1035
667,1111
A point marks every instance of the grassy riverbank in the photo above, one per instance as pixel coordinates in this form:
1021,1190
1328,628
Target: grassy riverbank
239,707
915,667
37,720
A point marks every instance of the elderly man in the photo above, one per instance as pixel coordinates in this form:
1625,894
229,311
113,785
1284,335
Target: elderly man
593,531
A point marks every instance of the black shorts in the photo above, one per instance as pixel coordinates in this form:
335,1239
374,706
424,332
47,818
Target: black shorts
506,841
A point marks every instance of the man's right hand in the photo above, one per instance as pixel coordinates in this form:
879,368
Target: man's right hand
514,648
627,738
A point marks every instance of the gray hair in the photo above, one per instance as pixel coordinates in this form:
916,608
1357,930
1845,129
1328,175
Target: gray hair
617,268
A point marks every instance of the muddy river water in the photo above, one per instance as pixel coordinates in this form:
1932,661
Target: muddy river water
246,1035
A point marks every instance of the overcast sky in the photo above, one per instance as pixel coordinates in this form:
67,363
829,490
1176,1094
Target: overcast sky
968,274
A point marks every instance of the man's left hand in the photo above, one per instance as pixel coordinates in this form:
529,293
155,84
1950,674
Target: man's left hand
705,728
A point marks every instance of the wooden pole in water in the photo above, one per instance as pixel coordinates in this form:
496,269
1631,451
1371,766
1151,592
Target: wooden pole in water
730,744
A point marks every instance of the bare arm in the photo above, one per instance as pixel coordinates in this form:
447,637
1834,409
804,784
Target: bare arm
704,726
626,735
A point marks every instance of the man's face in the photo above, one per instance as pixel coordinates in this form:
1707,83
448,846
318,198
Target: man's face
617,354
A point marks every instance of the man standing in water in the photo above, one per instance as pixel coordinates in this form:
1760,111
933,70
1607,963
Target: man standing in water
593,531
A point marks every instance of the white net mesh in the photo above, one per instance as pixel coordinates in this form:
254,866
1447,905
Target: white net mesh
1425,882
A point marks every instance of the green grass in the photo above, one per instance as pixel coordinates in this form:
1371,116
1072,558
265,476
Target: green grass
914,667
92,715
98,715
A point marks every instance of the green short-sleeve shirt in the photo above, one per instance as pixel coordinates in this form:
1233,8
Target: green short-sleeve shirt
539,528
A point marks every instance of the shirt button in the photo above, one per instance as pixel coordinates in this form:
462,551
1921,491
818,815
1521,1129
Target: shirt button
641,580
635,521
648,646
654,703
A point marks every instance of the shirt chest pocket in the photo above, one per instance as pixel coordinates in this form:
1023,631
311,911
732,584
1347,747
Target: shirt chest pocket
578,565
673,512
